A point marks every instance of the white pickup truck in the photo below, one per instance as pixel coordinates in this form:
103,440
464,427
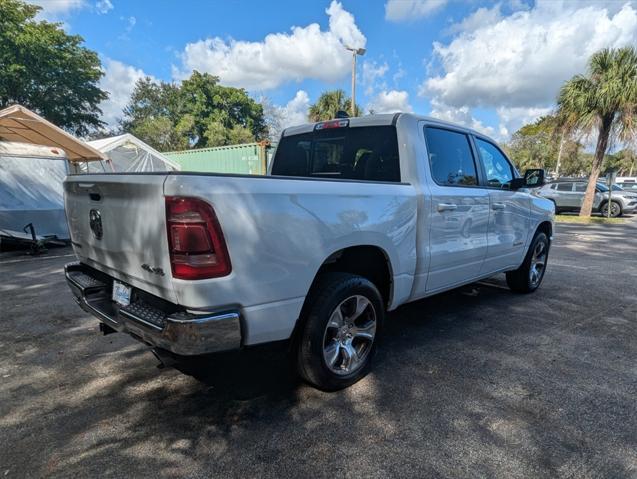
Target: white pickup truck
355,217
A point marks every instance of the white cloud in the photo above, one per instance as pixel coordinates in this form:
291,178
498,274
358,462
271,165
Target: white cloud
343,26
391,102
511,119
278,118
103,6
461,115
52,8
481,17
372,73
119,80
401,10
306,52
295,111
516,64
523,59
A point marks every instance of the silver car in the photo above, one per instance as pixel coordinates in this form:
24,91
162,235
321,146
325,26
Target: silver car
630,186
568,195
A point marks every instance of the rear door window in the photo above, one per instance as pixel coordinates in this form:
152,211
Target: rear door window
358,153
450,157
565,187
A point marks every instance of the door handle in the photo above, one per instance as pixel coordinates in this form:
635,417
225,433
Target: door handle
498,206
447,207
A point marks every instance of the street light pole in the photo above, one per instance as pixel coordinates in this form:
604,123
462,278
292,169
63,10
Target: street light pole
353,105
355,51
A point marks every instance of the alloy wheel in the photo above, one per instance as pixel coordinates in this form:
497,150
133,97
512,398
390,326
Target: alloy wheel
349,335
538,263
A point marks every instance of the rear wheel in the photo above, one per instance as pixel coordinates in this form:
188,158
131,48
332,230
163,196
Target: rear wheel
528,277
342,321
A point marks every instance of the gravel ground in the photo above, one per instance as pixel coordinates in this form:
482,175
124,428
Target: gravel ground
477,382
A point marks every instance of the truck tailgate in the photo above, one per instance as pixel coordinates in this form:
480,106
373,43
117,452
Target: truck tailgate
118,225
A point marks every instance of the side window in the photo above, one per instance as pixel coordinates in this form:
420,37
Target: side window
497,168
580,187
293,156
450,158
565,187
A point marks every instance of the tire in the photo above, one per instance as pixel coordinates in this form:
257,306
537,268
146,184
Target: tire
335,350
528,277
615,209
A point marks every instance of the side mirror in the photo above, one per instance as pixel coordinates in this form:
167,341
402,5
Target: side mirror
533,178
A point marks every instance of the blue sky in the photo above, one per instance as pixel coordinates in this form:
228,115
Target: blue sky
490,65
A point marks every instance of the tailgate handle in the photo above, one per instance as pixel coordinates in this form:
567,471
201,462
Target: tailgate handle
95,196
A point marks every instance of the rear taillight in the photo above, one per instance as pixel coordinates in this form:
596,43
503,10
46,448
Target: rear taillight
197,247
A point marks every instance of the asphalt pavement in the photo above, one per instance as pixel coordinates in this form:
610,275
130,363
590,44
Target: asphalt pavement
477,382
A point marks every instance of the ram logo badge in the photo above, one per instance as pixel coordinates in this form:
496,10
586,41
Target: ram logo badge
95,222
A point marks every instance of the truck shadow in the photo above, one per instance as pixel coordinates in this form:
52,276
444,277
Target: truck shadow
245,374
270,370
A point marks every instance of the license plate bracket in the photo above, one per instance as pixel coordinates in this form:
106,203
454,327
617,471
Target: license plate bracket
121,293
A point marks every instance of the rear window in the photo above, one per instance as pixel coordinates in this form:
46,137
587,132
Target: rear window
450,157
363,153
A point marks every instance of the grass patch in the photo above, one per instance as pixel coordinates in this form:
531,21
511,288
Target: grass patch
584,220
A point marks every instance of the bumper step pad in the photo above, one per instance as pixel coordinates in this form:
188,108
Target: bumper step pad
145,313
85,281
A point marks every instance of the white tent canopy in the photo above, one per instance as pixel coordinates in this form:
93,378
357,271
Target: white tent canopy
128,153
31,191
18,124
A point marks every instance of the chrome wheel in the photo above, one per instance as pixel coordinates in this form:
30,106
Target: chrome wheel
538,263
349,335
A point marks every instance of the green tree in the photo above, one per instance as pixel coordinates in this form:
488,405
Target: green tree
624,162
605,100
45,69
329,104
196,114
542,144
534,145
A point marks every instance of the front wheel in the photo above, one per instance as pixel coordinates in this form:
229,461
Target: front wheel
342,321
615,209
528,277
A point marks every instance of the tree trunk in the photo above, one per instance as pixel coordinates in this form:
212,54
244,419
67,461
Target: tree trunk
559,157
600,151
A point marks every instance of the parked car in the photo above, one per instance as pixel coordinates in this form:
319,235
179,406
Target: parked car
630,186
568,195
356,217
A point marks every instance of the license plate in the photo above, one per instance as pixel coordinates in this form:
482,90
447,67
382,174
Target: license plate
121,293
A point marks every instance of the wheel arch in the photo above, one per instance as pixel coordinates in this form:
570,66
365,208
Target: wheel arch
545,227
369,261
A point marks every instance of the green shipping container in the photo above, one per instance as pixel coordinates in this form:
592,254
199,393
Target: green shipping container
247,159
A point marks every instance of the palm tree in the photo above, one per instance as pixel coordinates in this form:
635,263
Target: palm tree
606,100
328,104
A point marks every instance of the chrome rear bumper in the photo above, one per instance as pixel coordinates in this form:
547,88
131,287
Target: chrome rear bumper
153,320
